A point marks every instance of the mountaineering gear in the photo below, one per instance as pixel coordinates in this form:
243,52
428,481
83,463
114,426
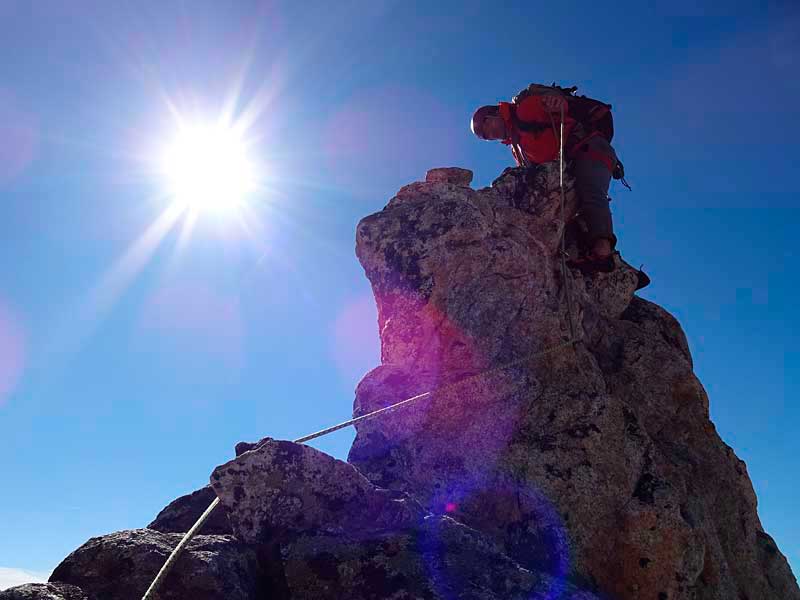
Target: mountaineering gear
540,117
478,118
592,115
619,173
530,124
530,120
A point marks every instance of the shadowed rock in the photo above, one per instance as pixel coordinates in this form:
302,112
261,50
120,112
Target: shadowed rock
121,566
44,591
343,537
180,514
282,488
440,560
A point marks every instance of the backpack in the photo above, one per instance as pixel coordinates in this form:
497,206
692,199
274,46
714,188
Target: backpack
593,115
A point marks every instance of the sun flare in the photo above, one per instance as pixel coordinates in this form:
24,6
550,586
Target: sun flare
207,168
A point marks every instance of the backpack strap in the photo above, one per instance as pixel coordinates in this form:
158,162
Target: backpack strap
508,112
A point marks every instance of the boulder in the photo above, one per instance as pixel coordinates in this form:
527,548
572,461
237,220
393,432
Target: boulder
43,591
180,514
454,175
121,566
440,560
282,488
341,536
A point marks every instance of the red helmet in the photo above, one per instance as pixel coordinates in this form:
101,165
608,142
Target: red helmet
479,116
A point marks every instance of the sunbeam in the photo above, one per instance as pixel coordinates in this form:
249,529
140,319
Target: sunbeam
130,264
90,310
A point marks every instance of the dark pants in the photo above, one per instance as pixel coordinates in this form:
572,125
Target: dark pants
592,179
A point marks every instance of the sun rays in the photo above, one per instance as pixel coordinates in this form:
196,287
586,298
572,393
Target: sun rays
201,175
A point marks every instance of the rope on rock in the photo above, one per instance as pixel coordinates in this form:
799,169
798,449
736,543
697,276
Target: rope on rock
151,591
564,281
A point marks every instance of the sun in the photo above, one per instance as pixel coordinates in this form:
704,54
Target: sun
207,168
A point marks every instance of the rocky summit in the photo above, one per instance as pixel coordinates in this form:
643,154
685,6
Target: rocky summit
561,454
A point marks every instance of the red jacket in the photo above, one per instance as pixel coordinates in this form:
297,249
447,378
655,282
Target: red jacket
535,129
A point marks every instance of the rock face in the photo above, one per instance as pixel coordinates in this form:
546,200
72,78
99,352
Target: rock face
121,566
596,462
449,175
442,559
44,591
341,536
561,454
282,488
180,514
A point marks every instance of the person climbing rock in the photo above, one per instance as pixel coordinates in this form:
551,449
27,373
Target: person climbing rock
530,124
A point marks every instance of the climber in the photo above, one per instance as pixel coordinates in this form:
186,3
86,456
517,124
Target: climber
530,124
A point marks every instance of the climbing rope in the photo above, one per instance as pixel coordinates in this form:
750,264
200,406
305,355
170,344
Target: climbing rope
187,537
151,591
564,226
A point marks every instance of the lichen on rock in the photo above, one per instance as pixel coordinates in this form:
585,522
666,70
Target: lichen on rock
598,462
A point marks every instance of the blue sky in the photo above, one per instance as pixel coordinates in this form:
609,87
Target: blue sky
131,370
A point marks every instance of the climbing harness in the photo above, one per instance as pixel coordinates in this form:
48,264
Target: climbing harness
572,341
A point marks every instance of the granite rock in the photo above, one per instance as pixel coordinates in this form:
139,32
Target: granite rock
596,461
561,454
44,591
281,488
180,514
341,536
121,566
440,560
454,175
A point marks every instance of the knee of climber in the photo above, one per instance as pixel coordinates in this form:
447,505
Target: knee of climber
592,180
592,168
